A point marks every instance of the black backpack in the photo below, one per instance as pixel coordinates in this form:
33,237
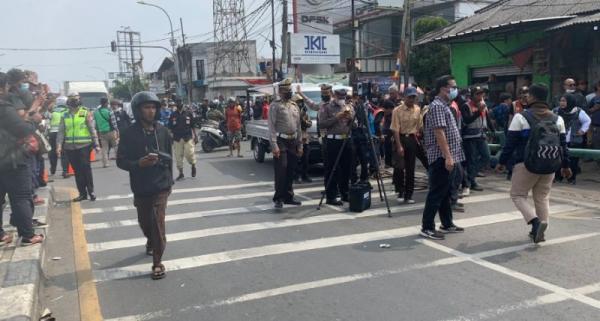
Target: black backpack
543,153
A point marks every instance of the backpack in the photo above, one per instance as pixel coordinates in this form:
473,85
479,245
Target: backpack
543,153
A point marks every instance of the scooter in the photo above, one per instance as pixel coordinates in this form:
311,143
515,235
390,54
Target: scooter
213,136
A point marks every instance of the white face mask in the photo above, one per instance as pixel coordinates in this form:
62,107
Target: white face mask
341,102
570,91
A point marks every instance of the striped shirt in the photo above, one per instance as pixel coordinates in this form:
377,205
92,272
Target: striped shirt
440,116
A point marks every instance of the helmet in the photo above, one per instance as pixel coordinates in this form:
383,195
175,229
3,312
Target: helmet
61,101
144,97
73,94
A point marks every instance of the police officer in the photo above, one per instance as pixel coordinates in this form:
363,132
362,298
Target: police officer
286,143
78,132
305,124
181,124
335,119
55,117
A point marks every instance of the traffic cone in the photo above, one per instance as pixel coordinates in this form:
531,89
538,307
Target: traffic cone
93,156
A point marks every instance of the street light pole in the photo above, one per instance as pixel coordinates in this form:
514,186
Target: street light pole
173,45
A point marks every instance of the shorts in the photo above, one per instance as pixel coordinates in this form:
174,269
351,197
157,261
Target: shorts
234,137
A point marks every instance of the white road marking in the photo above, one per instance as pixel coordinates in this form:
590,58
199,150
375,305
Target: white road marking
299,246
306,286
517,275
230,229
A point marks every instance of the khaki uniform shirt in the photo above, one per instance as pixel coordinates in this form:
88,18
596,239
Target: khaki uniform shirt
407,120
330,123
284,118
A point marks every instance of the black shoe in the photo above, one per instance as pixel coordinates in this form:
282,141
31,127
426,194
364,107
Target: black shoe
571,181
193,170
538,232
432,234
278,205
306,179
480,174
293,201
451,229
334,202
459,204
80,198
92,197
65,175
532,237
477,188
180,177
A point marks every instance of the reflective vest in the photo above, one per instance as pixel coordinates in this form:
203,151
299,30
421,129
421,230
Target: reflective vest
57,115
477,128
102,118
76,127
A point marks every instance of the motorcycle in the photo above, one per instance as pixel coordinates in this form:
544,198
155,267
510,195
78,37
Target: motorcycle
213,135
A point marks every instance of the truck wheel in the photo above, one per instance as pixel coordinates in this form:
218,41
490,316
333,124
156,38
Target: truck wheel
207,147
259,152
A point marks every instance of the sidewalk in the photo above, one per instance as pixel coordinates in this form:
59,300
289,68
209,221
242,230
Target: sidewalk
21,269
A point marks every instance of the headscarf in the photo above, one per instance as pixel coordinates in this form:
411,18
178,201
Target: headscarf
566,113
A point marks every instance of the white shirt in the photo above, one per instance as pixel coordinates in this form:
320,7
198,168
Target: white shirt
519,123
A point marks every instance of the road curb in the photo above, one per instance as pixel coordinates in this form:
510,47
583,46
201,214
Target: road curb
21,271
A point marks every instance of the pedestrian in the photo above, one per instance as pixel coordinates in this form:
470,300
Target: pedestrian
15,173
265,108
577,123
145,152
406,125
181,124
535,166
286,144
476,122
166,108
77,131
444,150
305,124
56,116
335,119
595,116
501,111
233,119
121,116
107,129
570,87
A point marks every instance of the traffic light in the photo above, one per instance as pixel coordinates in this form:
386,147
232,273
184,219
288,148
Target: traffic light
113,46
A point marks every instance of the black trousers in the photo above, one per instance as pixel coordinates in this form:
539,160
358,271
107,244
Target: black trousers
302,168
405,177
341,181
80,160
573,164
361,156
17,184
285,167
438,197
54,157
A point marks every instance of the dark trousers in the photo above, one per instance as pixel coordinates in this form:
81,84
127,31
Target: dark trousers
361,156
341,180
388,150
456,181
405,177
478,156
285,167
54,157
80,160
151,217
302,168
438,197
17,184
573,164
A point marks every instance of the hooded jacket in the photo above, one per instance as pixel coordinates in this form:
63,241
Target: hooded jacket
135,143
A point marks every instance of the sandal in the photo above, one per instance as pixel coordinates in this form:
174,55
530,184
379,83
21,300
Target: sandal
6,239
158,272
35,239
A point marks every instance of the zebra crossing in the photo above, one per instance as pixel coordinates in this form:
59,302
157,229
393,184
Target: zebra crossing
216,228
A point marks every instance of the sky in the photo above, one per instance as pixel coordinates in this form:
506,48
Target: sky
89,23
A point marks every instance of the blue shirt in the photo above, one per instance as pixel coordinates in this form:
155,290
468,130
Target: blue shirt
165,114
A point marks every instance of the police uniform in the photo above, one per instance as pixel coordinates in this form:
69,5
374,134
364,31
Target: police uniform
286,135
55,119
336,135
305,124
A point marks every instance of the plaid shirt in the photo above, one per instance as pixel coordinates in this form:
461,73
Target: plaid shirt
440,116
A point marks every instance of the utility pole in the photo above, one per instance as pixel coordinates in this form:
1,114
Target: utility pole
353,64
273,44
404,43
284,37
188,51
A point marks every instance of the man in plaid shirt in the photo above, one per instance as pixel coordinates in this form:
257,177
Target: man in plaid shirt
444,150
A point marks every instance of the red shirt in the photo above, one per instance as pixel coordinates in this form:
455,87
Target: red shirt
265,111
233,117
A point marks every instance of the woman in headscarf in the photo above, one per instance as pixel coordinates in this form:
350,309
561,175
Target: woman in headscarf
577,123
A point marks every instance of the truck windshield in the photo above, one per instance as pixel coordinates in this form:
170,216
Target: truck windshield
91,100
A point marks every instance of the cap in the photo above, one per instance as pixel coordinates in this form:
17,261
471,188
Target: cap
340,92
410,91
73,94
477,90
285,85
325,89
297,98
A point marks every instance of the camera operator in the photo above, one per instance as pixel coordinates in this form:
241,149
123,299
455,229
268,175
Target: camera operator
335,118
145,152
362,146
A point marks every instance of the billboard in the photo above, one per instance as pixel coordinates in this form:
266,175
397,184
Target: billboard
315,48
320,16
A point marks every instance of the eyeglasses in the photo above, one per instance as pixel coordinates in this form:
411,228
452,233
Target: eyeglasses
570,85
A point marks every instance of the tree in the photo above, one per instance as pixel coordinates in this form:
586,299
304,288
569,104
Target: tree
126,89
429,61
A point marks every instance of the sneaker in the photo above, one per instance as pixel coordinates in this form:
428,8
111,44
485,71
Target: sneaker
334,202
180,177
477,188
38,223
451,229
293,201
409,201
466,191
432,234
278,205
35,239
539,232
400,200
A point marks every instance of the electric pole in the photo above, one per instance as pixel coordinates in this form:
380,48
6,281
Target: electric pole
353,63
405,44
284,38
273,44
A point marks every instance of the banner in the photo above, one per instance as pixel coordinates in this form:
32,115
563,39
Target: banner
315,49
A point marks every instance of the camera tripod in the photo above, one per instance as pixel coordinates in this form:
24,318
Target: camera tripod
362,125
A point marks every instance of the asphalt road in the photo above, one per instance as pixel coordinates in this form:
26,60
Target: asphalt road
230,256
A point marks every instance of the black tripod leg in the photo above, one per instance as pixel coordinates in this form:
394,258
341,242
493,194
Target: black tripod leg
332,174
379,178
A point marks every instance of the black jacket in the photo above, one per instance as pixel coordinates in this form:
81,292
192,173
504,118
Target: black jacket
135,144
13,124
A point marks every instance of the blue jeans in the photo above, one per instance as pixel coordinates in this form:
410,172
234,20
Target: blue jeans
438,197
478,156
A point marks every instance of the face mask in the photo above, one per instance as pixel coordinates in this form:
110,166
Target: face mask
287,95
73,103
24,86
341,102
325,98
570,91
453,93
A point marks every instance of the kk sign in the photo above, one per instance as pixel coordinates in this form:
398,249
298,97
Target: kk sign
315,49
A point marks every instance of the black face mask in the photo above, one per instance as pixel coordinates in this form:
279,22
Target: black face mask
287,95
326,98
73,103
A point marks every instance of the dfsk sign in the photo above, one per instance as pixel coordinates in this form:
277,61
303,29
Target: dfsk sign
315,49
